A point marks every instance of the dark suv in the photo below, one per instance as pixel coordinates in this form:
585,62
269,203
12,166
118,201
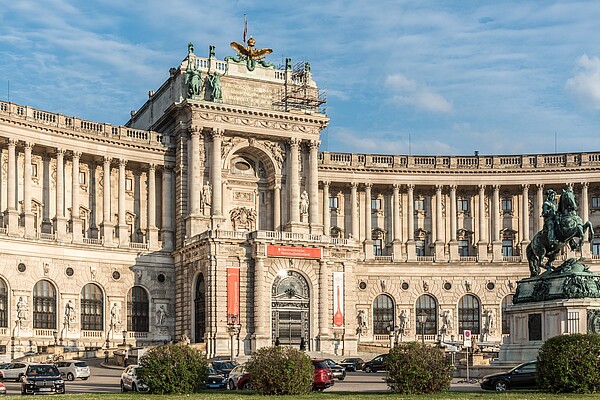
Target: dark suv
376,364
42,379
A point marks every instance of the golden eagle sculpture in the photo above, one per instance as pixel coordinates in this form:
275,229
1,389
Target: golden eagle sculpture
250,54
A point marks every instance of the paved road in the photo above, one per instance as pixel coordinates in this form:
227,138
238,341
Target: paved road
105,380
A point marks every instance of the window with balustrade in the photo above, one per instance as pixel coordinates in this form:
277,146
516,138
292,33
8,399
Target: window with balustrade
420,247
383,314
427,304
469,314
138,310
3,304
596,246
507,247
44,305
92,308
199,309
463,248
506,301
377,236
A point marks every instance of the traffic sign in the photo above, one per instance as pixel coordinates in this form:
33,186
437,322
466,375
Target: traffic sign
467,336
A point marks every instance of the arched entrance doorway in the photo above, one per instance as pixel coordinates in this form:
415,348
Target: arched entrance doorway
290,305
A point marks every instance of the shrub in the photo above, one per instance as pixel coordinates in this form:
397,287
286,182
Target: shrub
413,368
173,368
570,364
280,370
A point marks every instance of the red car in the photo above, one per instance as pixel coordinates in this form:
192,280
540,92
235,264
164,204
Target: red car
2,388
323,377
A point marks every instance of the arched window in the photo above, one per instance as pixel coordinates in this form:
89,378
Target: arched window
138,319
44,305
92,308
199,309
3,304
508,300
469,314
428,305
383,314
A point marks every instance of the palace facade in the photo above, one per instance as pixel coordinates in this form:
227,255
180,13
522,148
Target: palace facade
213,215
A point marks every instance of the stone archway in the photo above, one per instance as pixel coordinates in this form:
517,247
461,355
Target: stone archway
290,305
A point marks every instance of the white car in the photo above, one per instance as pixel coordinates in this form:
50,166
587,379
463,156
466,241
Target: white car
130,381
234,376
15,371
72,369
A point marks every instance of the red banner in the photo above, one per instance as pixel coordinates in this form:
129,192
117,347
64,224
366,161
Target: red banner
233,296
290,251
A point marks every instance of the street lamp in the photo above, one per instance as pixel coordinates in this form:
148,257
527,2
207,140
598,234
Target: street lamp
124,338
55,334
422,318
233,329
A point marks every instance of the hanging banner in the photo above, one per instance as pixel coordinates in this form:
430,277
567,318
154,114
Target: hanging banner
233,296
338,299
290,251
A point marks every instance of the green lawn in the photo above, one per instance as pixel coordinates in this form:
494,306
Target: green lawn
332,396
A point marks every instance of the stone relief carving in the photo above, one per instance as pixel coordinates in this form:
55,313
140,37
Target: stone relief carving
277,151
243,218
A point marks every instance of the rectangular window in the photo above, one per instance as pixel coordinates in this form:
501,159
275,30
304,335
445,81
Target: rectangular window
596,246
507,204
82,178
34,170
375,204
333,202
420,247
419,205
128,184
377,247
462,205
507,248
595,202
463,248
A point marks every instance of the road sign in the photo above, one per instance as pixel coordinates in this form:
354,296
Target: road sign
467,336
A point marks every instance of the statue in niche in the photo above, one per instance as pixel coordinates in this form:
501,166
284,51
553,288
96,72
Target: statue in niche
361,322
70,316
22,309
161,315
489,320
206,196
304,202
446,322
115,316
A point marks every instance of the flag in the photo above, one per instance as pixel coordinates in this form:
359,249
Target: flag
245,28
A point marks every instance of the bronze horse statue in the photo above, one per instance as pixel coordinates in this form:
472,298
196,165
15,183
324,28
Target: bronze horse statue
569,230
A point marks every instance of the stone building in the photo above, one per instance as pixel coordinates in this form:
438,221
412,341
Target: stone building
213,215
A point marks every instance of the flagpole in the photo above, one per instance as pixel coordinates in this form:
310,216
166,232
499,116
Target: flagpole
245,28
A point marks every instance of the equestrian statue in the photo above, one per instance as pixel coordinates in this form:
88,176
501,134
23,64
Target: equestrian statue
562,227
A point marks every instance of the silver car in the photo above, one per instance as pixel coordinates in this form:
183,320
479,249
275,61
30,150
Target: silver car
130,381
72,369
14,371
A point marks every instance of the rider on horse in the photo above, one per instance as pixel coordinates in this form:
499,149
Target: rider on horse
549,212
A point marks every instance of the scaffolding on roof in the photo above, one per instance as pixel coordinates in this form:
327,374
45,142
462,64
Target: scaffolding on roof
298,94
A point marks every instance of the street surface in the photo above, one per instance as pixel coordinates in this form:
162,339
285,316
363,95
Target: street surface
106,380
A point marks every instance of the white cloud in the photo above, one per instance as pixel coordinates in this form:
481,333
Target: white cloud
585,85
408,91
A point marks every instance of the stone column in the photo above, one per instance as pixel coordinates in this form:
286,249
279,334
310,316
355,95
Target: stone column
60,222
313,188
355,231
538,208
11,214
525,219
497,226
396,221
586,250
482,252
106,226
28,215
439,244
325,317
123,231
46,222
261,320
167,212
152,230
76,223
453,245
194,181
368,243
326,210
293,183
411,251
277,206
215,172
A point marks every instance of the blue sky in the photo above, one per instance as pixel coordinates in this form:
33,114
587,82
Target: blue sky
500,77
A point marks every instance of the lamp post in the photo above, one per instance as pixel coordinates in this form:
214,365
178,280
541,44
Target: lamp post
55,334
233,329
124,338
422,318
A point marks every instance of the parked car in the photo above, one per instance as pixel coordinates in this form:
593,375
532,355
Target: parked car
130,381
323,376
15,371
2,388
235,375
244,383
338,371
224,367
215,380
42,379
522,376
352,364
72,369
376,364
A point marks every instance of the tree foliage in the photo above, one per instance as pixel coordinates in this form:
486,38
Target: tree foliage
570,364
280,370
414,368
173,368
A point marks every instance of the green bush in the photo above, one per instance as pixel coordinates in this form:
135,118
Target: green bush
173,368
280,370
413,368
570,364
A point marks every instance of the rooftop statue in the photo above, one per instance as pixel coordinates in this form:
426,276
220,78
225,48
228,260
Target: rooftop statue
562,227
250,54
